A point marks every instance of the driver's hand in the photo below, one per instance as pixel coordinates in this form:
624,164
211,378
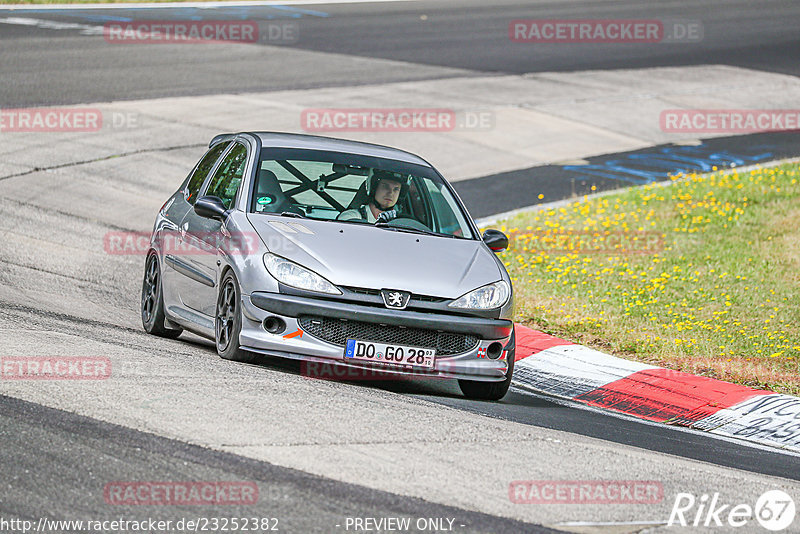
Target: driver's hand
387,216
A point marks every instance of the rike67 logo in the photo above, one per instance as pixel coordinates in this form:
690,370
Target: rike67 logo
774,510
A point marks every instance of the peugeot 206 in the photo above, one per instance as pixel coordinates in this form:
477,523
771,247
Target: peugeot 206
335,252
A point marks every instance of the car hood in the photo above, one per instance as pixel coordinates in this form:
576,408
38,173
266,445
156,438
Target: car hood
364,256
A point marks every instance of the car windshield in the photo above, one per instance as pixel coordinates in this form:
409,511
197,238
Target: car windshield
349,188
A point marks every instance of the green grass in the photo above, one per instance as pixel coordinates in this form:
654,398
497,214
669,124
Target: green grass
705,278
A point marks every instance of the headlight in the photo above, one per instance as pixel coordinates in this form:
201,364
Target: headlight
485,298
292,274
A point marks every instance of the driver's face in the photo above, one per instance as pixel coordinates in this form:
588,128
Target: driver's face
386,194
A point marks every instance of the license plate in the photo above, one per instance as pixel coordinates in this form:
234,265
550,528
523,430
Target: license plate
370,351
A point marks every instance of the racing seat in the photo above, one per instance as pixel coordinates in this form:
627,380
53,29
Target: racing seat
360,197
269,187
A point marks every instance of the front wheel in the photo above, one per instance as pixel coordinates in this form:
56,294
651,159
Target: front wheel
153,301
228,321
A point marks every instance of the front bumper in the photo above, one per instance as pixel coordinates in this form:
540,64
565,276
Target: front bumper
294,342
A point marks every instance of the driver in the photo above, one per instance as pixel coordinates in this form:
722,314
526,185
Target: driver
385,189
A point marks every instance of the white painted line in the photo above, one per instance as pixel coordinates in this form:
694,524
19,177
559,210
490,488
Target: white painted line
610,523
200,5
53,25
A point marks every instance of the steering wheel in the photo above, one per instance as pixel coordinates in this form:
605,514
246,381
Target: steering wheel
407,222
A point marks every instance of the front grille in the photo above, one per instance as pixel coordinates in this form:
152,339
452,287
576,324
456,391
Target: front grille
338,331
363,291
425,298
377,293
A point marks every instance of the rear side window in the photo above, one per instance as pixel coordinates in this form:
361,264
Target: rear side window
202,170
226,180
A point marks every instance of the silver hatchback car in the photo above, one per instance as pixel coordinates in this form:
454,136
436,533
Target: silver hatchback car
332,252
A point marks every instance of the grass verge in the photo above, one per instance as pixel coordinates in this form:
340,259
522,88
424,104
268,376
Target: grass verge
701,275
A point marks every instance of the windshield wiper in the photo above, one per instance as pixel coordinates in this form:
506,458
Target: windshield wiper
292,214
409,230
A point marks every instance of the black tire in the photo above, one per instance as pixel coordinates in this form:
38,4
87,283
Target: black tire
153,301
474,389
228,321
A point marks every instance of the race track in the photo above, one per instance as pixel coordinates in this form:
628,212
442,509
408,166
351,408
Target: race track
324,451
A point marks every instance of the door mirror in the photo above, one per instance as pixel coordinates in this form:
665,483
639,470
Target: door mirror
211,208
494,239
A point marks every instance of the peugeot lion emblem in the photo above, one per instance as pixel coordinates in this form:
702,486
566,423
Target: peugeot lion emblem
395,299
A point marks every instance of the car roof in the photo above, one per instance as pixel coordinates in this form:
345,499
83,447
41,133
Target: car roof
317,142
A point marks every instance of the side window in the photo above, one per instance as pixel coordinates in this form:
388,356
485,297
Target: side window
450,219
202,170
226,180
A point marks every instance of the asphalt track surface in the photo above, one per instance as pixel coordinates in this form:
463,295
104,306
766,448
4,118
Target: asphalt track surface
56,462
299,502
429,39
